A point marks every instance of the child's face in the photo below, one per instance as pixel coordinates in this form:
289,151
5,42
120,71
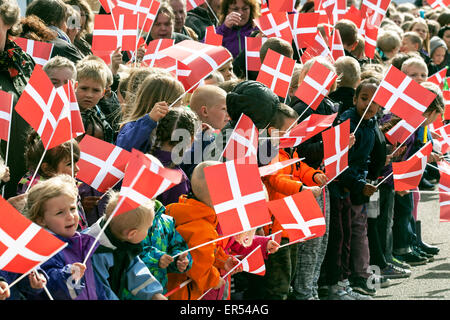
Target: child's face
408,46
438,55
227,71
421,29
65,167
162,28
61,216
446,38
431,117
217,116
138,235
60,76
88,92
362,101
416,72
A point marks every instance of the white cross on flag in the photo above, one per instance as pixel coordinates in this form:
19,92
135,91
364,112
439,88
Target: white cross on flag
444,189
212,38
178,69
400,132
144,180
69,98
304,27
107,38
101,164
425,151
407,174
42,107
444,140
402,96
252,48
370,33
201,58
6,107
23,244
254,262
438,77
438,3
306,129
316,85
375,10
337,48
146,9
152,53
264,9
446,96
243,141
335,149
335,10
238,196
318,47
191,4
300,215
276,72
275,25
38,50
272,168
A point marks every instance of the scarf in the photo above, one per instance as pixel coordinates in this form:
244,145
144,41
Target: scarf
14,60
124,253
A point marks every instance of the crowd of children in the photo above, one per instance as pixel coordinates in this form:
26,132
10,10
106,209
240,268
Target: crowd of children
144,254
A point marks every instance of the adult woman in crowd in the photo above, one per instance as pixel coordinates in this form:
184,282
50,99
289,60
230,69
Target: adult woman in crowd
16,67
86,24
236,23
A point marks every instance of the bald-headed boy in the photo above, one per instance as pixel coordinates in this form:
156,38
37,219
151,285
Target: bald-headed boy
209,102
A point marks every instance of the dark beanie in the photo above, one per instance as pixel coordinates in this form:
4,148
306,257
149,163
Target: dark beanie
255,100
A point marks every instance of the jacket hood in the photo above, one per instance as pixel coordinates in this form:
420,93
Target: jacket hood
189,209
255,100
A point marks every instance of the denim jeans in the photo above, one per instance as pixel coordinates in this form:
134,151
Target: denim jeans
385,220
403,235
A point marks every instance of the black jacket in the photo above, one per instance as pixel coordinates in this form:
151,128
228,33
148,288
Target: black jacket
199,19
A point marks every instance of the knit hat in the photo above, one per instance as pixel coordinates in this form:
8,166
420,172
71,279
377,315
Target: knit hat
255,100
435,43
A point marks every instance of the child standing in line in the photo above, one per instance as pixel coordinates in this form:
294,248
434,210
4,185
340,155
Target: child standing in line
52,204
116,261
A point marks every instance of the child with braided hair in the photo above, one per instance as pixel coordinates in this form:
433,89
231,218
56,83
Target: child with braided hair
178,123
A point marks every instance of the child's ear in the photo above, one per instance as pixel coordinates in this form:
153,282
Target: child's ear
204,111
131,233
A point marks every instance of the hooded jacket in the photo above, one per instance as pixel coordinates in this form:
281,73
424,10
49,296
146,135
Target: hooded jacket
196,222
198,19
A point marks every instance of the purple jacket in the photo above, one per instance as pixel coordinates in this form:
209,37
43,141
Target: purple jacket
234,39
184,187
58,267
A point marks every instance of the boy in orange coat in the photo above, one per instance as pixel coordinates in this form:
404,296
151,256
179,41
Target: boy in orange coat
196,221
280,266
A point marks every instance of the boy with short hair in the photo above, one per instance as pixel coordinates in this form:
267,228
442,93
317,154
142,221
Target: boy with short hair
416,69
209,103
388,45
349,34
411,41
60,70
349,74
116,261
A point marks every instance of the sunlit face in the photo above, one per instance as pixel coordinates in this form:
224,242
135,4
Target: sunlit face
362,101
421,29
162,27
227,71
60,76
217,116
61,216
417,72
65,167
438,55
241,7
88,92
180,14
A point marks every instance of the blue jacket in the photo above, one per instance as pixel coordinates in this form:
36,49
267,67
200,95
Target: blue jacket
354,178
136,134
22,290
141,284
162,239
60,283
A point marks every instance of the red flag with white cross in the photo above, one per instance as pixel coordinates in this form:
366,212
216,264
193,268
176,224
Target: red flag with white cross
337,48
444,191
275,24
238,196
402,96
23,244
438,3
400,132
276,72
145,9
407,174
243,141
69,98
152,52
375,10
438,77
335,149
254,262
6,107
192,4
370,33
300,215
43,108
304,27
316,85
318,47
110,34
212,38
252,56
101,164
38,50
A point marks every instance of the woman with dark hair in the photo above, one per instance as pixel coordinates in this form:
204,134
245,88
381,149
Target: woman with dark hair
54,14
236,20
16,67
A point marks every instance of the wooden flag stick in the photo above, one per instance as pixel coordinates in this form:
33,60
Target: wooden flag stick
385,178
212,11
328,182
183,284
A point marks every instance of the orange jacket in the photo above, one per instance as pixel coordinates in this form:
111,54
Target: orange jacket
286,182
196,223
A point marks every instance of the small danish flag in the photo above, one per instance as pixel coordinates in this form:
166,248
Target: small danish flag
335,149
